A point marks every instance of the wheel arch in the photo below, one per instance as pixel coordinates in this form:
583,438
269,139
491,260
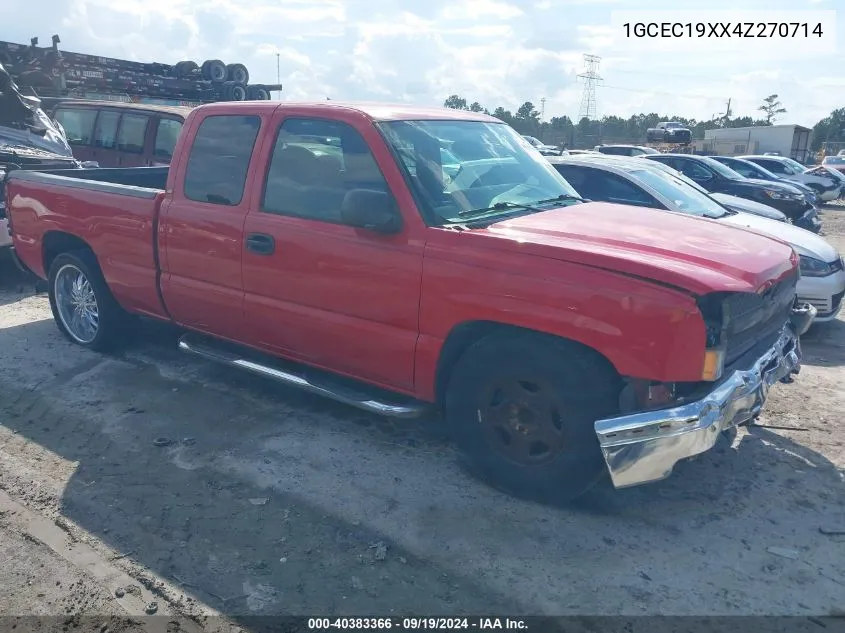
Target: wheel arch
463,335
54,243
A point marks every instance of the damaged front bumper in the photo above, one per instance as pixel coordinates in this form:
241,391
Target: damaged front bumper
643,447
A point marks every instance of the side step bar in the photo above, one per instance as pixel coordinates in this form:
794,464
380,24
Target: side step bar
358,397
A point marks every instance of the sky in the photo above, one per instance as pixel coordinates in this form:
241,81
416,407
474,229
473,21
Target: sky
497,52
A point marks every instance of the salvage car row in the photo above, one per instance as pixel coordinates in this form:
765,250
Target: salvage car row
633,181
609,321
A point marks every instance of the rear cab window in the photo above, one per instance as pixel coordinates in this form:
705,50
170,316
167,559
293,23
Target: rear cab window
166,136
218,162
78,124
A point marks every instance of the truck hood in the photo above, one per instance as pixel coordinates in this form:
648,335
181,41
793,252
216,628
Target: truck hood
696,254
803,241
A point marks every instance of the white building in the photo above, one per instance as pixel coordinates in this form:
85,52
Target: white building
788,140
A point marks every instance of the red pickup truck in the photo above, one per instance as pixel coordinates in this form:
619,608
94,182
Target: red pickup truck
343,250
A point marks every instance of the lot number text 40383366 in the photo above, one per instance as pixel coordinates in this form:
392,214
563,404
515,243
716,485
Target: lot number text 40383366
417,623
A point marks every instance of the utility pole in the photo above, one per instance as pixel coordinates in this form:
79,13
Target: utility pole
542,109
727,114
591,78
279,74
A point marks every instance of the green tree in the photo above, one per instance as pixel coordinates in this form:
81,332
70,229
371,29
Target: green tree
527,112
456,102
503,115
476,107
830,129
772,108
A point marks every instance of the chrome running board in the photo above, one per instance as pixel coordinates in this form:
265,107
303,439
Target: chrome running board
360,397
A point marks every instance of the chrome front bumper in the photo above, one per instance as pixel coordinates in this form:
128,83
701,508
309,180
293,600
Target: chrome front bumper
644,447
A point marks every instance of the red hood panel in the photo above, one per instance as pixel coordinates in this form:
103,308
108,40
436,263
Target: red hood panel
697,254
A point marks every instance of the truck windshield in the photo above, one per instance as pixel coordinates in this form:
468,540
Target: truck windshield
684,198
489,170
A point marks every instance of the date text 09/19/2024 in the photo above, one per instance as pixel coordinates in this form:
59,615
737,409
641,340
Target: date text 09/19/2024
416,624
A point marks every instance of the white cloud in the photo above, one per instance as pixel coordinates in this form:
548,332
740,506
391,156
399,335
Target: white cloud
475,9
499,52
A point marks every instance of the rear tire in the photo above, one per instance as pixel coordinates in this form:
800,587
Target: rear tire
83,307
523,408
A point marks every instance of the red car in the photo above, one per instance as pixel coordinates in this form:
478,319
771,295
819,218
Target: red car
322,245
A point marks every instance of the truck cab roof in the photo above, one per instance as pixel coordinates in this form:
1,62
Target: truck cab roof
373,111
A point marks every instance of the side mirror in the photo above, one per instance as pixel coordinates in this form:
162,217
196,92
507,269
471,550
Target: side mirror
371,210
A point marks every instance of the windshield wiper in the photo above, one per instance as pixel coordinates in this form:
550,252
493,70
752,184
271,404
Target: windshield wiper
499,206
502,206
561,197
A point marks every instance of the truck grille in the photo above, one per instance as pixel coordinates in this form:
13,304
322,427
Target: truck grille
756,318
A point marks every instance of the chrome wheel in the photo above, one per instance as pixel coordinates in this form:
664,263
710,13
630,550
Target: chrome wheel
76,304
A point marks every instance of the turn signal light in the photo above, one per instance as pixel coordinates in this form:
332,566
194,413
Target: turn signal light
714,362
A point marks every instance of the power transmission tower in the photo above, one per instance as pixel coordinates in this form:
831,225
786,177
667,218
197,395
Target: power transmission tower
591,78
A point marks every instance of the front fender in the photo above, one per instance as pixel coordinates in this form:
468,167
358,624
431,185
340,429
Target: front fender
645,330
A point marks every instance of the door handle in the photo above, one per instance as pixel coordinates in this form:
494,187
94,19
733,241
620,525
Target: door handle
260,243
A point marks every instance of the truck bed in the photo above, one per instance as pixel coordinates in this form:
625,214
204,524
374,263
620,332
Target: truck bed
115,211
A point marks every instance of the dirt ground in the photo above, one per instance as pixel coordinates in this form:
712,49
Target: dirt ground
150,481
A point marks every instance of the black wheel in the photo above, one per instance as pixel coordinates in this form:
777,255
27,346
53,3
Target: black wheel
233,92
214,70
257,93
238,92
237,73
523,408
185,69
83,307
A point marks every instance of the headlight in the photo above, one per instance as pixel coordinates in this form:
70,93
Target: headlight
781,195
812,267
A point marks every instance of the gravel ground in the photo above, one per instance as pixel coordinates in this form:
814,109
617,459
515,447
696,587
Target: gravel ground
150,476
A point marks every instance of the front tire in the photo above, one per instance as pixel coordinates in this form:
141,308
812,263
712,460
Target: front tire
83,307
523,407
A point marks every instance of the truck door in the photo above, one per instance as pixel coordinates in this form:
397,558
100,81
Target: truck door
201,226
318,290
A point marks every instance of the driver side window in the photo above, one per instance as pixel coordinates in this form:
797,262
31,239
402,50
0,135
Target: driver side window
694,170
743,170
617,189
776,167
314,164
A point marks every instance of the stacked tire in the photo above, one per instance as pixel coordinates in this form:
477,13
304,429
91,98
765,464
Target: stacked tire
233,79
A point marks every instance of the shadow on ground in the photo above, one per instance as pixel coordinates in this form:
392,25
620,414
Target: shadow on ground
824,344
213,488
